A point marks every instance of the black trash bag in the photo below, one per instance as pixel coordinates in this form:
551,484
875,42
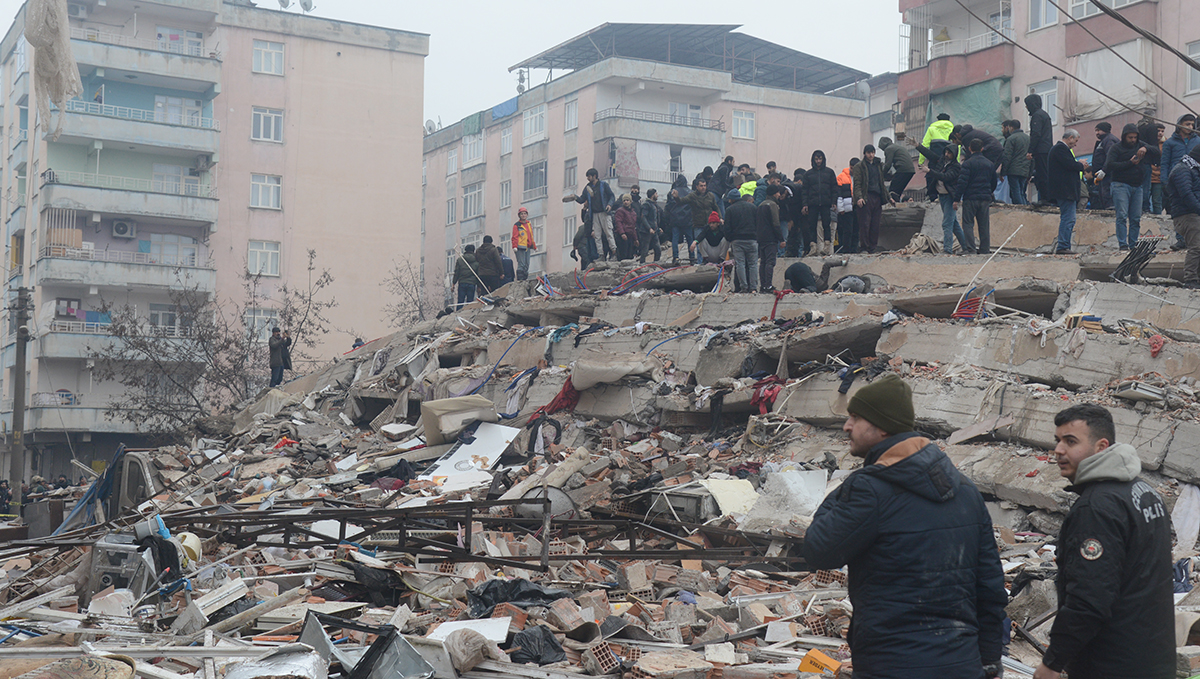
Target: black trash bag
536,644
231,609
383,585
520,593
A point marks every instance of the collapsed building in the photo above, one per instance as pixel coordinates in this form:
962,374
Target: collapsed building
609,474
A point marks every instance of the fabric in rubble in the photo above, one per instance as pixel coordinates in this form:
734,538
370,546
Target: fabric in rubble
520,592
538,645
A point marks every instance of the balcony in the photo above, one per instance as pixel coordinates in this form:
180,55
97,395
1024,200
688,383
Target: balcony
623,123
64,411
61,264
109,194
959,63
79,339
18,142
21,86
194,69
137,126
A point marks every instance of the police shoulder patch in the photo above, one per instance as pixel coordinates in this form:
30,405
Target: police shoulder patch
1091,549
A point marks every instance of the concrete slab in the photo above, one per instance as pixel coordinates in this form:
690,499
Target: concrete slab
1031,295
630,402
1005,474
903,272
1093,228
1163,307
1166,264
1009,347
724,310
859,335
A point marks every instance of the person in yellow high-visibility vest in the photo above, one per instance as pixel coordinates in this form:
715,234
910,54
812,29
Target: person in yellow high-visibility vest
522,243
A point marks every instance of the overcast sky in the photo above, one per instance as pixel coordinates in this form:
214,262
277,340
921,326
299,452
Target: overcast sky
473,42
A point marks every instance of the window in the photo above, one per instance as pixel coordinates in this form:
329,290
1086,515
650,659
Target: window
262,259
571,114
171,179
683,114
535,181
1000,21
535,125
268,124
266,191
451,211
570,224
179,41
743,124
1041,14
472,149
571,173
472,200
505,237
1048,89
505,194
452,162
506,141
67,308
539,229
164,315
676,160
1081,9
1193,50
173,250
259,323
177,111
268,57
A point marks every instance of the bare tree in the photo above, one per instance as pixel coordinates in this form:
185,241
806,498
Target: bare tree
212,357
411,305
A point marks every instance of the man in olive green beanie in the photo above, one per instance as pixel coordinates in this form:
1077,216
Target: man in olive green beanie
924,572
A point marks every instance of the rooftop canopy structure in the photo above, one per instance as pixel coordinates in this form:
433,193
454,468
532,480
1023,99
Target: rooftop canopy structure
750,60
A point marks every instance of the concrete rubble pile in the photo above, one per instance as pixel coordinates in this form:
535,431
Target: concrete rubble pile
604,475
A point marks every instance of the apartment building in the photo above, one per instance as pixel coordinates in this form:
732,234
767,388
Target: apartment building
641,103
309,127
953,61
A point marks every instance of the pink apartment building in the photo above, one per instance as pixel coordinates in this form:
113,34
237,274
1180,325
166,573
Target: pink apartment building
212,137
641,103
953,61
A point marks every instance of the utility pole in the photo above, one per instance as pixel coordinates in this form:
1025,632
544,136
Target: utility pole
16,455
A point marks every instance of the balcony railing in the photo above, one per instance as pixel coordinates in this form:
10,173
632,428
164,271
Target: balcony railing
659,176
53,399
184,119
983,41
87,328
654,117
121,256
533,194
103,181
17,135
172,46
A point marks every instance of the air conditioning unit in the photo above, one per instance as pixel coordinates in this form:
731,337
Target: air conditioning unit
123,229
75,11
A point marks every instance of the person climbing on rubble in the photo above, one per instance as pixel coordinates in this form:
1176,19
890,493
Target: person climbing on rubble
924,571
800,278
522,243
464,277
600,202
1116,611
281,354
944,173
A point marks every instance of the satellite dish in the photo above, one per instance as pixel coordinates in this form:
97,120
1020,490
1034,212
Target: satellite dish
430,127
306,5
285,3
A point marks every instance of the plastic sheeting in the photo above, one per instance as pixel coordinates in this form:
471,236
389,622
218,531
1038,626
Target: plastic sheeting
602,367
1105,70
295,661
537,644
49,35
984,105
520,593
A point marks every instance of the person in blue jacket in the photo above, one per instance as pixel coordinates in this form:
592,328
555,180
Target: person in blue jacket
924,571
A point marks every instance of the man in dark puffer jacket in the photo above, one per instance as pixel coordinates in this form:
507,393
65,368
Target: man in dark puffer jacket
925,577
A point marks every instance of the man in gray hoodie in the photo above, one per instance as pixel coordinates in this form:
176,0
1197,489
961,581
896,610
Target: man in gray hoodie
1116,612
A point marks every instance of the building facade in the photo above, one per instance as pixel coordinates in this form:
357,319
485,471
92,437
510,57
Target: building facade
181,97
953,61
642,104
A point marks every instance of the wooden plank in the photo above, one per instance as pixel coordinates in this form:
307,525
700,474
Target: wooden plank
24,606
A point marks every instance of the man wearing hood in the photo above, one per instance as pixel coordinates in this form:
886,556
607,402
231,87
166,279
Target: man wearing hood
1178,145
820,196
1125,166
1105,140
898,163
490,267
1116,614
924,572
1183,204
1041,140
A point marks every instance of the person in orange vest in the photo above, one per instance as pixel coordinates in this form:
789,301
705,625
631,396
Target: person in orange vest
522,243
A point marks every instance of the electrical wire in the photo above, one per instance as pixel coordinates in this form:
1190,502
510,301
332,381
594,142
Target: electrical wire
495,365
684,334
1191,63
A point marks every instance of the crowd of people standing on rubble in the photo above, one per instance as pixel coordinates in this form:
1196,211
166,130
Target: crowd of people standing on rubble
734,213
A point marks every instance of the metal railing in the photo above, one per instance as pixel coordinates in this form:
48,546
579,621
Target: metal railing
18,135
974,44
121,256
92,328
654,117
534,193
174,47
660,176
53,399
125,113
103,181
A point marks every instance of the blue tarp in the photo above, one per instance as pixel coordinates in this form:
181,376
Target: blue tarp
505,109
84,513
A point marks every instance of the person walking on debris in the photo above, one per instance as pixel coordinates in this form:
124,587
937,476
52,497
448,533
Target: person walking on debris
600,202
281,355
464,277
1116,612
820,196
975,188
1105,140
1064,187
1183,204
944,172
625,221
701,202
847,226
924,571
490,267
522,243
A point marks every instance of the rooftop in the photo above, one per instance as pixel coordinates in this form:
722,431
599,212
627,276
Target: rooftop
713,46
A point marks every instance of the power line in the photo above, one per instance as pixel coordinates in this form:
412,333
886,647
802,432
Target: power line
1148,35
